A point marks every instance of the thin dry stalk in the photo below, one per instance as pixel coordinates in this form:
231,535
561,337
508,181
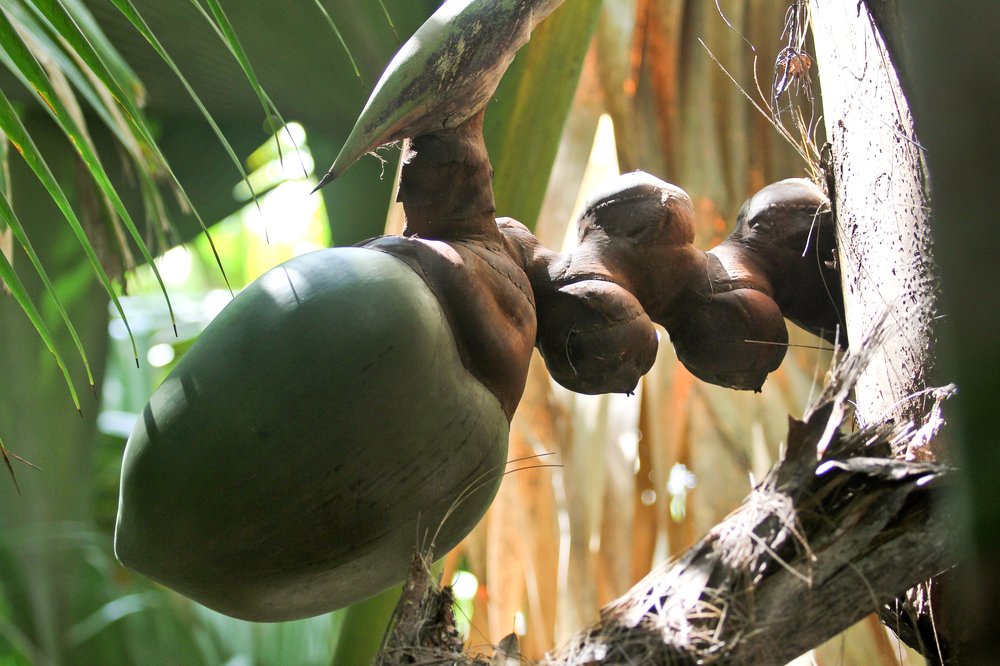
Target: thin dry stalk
789,105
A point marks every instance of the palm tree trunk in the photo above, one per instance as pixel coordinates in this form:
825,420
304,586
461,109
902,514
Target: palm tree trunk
877,180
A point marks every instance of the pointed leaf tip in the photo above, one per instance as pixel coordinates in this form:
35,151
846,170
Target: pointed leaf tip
327,178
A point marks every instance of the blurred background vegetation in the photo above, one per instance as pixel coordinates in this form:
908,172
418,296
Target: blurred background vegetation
673,87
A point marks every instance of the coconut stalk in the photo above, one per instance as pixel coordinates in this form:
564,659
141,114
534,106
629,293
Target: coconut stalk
838,523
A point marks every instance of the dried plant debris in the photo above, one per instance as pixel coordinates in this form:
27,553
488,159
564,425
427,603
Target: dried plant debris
7,455
818,545
422,630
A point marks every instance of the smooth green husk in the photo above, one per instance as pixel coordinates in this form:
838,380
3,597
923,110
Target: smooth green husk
271,476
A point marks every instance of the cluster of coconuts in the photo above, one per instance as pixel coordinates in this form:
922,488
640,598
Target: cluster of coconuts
636,263
353,404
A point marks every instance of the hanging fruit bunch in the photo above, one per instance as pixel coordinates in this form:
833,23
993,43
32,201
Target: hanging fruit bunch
354,403
724,309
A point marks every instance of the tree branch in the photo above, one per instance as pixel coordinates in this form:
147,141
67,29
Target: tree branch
816,547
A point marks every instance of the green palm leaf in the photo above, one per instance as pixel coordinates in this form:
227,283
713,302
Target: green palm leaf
96,52
18,135
42,86
129,11
109,54
340,37
225,30
10,219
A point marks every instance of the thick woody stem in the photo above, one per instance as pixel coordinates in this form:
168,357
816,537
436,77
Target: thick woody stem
446,185
879,186
452,242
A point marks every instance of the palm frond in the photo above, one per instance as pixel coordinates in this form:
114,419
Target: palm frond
20,294
100,63
129,11
20,138
43,88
